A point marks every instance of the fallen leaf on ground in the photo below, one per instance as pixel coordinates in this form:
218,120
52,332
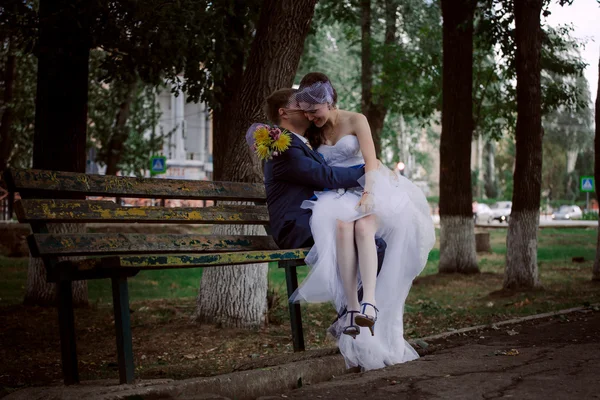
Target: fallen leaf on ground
511,352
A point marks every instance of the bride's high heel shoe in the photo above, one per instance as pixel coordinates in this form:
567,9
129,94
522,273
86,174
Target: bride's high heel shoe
362,319
353,329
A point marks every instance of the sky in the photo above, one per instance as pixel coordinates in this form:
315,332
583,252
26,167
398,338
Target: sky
584,15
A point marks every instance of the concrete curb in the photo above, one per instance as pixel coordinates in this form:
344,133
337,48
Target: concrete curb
300,369
513,321
245,385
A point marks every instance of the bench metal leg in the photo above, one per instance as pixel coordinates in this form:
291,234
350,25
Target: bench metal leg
123,328
66,323
291,278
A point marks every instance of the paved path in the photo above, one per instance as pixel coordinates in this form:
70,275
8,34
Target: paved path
558,358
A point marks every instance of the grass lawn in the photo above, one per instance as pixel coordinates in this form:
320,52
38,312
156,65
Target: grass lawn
167,344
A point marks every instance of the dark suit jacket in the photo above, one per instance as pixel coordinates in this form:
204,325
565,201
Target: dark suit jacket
291,178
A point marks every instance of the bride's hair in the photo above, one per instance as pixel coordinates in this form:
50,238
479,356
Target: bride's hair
314,134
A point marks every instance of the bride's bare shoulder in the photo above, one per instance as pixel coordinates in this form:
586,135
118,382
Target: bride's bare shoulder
352,117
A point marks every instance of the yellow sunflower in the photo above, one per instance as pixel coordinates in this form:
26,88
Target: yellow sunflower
261,135
263,152
282,143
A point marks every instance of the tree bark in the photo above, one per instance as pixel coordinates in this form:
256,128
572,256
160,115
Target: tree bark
366,75
457,240
236,296
117,140
596,271
8,114
61,112
521,254
375,109
230,84
491,187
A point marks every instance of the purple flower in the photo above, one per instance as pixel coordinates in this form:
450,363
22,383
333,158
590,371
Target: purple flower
274,133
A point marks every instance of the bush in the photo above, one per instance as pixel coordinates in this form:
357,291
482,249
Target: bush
590,215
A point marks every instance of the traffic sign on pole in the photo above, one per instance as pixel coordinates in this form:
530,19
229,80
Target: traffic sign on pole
587,184
158,165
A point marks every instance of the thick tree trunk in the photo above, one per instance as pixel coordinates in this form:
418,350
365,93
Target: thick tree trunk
117,140
375,109
234,295
596,275
61,108
272,64
10,72
457,241
366,77
521,242
230,84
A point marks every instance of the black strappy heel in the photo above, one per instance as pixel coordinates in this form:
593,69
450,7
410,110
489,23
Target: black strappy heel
365,320
353,329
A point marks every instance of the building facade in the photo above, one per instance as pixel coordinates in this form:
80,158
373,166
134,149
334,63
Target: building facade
188,147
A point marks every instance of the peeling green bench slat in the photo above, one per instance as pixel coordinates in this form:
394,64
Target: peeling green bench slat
160,261
82,211
39,182
77,244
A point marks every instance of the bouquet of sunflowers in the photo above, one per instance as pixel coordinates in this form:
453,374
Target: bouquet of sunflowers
268,141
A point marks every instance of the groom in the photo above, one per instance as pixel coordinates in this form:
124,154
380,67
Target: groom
294,176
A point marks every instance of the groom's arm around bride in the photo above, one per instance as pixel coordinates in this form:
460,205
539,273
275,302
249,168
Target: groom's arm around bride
294,175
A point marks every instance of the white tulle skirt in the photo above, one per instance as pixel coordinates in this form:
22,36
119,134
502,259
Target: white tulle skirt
405,223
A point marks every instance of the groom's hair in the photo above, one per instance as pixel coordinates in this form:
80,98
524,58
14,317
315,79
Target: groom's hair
276,100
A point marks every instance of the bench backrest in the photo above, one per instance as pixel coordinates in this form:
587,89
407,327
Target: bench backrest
58,197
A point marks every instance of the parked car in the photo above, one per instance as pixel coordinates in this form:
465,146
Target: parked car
481,212
500,211
568,212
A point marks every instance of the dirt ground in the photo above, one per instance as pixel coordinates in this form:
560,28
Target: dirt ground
165,343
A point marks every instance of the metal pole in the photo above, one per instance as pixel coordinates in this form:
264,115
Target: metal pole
587,201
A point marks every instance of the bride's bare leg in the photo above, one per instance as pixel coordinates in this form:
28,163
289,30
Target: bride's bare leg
364,231
346,259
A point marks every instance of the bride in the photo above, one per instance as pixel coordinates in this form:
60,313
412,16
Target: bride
344,225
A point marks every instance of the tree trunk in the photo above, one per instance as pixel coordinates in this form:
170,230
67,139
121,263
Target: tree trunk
457,241
366,76
8,114
236,296
521,241
375,109
491,187
596,275
61,111
120,135
229,85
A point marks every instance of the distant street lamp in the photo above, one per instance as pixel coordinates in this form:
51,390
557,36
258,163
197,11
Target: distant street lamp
401,167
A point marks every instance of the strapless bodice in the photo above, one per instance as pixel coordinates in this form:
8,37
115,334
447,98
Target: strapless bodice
345,153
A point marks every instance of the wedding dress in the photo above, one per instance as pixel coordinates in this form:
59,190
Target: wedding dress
404,222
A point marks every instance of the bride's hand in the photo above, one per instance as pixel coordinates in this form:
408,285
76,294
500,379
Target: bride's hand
366,203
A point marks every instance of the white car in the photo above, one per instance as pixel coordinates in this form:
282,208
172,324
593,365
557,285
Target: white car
568,212
481,212
500,211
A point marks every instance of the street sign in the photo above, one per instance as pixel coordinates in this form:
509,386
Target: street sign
158,165
587,184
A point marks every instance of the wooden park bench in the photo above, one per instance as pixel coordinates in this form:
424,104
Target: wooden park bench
49,197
